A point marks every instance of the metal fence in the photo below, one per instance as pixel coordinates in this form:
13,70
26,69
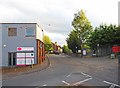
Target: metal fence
104,50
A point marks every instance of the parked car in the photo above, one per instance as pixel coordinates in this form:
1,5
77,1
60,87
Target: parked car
56,52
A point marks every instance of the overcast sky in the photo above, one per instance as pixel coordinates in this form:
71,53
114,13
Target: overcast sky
55,16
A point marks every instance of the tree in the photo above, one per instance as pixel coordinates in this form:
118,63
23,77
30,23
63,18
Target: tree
66,49
105,34
116,38
47,43
80,33
73,41
82,25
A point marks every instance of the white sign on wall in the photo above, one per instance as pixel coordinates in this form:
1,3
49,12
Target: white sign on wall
20,55
29,54
25,48
25,59
29,61
29,58
20,61
20,58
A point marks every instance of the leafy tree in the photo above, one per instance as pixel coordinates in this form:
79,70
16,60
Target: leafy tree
116,37
47,43
66,49
82,25
80,33
73,41
104,34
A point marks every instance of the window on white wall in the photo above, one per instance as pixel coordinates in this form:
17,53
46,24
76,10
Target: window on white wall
30,32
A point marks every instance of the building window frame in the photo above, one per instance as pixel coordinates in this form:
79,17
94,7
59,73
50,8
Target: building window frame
30,32
12,31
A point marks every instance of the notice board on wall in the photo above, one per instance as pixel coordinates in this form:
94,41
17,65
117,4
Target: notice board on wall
29,58
25,58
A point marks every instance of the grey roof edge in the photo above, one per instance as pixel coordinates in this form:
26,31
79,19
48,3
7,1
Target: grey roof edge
18,23
22,23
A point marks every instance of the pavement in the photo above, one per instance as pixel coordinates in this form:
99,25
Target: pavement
67,70
8,72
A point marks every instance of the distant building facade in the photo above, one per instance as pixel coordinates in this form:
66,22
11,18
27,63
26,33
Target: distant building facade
22,44
56,47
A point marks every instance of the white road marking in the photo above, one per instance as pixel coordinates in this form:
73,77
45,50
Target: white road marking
77,83
44,85
62,56
69,75
111,84
66,83
37,87
85,74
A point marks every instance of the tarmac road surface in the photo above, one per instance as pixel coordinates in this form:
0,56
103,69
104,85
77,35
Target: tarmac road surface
65,70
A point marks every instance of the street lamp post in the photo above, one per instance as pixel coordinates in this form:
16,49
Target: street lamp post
98,49
76,49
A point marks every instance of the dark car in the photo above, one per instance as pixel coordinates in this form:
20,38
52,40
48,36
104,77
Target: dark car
56,52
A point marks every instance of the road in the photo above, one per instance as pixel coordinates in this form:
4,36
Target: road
65,70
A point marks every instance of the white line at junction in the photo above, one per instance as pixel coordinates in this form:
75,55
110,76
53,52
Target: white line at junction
77,83
112,84
85,74
66,83
44,85
69,75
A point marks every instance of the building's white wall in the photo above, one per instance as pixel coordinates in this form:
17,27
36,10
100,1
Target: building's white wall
39,33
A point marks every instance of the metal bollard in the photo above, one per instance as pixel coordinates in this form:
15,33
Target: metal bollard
31,63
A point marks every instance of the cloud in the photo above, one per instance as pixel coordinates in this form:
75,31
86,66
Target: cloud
60,38
58,13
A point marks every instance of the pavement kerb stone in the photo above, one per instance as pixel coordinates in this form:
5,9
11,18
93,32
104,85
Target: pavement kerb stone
16,71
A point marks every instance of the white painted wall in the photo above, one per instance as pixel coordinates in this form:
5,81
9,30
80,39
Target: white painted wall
39,33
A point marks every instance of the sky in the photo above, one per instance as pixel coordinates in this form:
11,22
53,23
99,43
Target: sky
55,16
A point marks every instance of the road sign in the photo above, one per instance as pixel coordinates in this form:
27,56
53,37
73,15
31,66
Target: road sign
116,49
84,52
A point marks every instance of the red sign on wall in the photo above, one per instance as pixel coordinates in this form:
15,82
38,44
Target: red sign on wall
116,49
25,48
19,48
